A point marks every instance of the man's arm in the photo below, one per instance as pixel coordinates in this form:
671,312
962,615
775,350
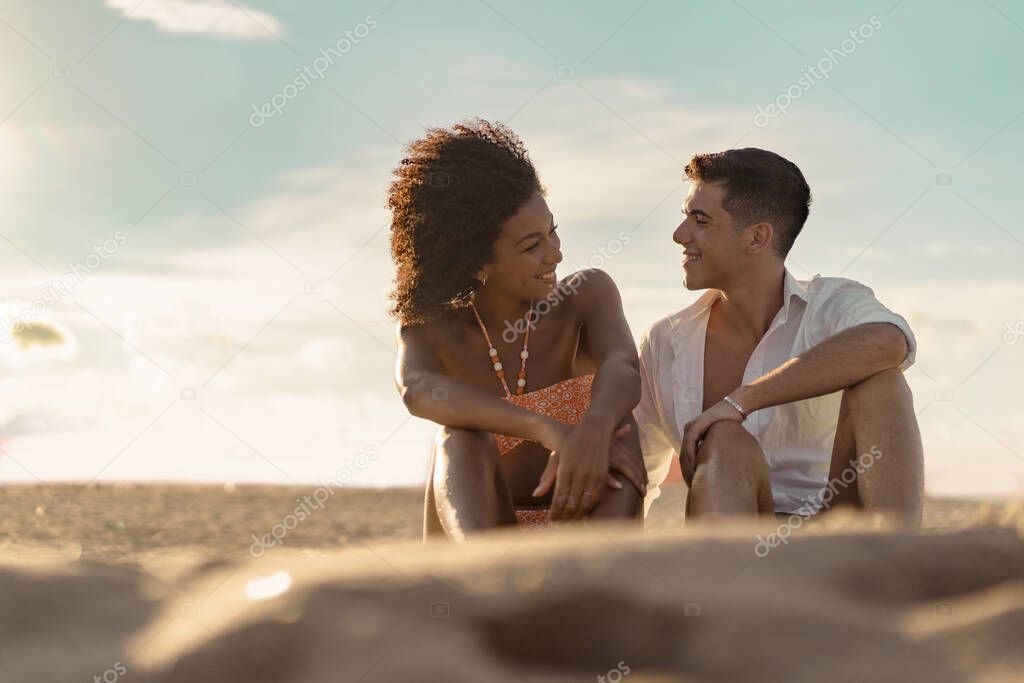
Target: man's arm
838,362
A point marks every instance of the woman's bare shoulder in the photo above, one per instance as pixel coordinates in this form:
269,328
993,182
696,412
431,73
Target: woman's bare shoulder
429,335
585,288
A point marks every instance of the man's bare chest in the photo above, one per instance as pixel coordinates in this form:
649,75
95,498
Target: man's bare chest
725,360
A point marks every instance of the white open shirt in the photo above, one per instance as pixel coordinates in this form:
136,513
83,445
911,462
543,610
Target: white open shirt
797,437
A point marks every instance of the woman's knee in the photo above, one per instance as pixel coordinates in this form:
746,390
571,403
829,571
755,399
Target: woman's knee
624,503
466,449
630,445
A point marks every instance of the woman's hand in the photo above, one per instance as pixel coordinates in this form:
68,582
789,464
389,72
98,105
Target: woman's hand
551,433
581,473
579,467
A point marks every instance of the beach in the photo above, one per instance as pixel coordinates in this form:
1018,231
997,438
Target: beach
189,583
118,522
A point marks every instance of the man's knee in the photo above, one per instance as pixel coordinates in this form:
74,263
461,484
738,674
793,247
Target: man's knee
731,475
887,385
729,440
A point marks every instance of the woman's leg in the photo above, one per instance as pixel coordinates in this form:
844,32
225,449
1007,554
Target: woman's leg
431,521
467,487
624,503
627,502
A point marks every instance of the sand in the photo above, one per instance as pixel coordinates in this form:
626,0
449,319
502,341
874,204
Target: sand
164,583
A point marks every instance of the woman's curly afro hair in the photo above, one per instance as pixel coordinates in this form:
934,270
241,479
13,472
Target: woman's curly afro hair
451,195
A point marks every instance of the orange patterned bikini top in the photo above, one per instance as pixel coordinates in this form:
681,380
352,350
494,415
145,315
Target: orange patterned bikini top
566,401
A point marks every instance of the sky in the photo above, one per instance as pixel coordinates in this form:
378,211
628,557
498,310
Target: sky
194,215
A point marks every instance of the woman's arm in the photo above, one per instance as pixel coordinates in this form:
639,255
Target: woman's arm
585,455
616,388
428,392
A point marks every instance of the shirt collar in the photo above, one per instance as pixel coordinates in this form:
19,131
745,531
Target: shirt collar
685,321
791,287
682,323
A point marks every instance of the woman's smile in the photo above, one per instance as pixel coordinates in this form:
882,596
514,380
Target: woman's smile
547,278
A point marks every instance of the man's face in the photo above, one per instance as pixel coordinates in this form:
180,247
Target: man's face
713,251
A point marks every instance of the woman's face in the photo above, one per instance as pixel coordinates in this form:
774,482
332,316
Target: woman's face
526,253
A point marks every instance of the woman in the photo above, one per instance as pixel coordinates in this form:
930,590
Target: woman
533,380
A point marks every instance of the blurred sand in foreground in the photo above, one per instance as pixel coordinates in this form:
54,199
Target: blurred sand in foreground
157,583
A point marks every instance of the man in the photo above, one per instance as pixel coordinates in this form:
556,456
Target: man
778,395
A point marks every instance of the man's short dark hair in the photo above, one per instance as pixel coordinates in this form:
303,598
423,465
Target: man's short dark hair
759,186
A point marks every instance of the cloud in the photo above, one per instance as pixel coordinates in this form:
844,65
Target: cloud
74,427
328,353
951,433
26,337
210,17
848,252
940,248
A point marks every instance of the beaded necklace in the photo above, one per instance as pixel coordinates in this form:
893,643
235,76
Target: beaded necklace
493,353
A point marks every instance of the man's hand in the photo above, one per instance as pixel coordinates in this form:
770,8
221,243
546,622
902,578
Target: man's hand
695,430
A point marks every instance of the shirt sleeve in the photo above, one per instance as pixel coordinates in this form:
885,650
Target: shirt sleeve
851,304
657,449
